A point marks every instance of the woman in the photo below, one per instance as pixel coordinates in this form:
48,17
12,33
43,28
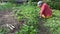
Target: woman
45,11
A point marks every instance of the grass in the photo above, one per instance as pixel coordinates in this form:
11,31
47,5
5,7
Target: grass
6,6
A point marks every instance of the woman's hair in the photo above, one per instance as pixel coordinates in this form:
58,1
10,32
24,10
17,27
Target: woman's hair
40,3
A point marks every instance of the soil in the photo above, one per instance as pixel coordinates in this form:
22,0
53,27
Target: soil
8,17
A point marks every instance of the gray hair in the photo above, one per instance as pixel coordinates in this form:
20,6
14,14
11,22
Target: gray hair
40,3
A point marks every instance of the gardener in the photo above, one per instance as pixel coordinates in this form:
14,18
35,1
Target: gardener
45,11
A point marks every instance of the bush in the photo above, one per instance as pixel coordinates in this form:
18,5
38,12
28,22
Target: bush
54,5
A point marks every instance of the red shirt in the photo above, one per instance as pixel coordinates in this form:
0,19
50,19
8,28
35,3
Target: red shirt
45,10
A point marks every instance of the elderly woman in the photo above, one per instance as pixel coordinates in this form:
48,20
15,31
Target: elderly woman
45,11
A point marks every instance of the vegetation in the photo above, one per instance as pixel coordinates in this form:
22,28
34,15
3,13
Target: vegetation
54,5
29,15
32,23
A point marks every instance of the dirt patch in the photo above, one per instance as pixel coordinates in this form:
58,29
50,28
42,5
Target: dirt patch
7,17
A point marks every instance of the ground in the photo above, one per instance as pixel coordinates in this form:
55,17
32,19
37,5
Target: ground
6,17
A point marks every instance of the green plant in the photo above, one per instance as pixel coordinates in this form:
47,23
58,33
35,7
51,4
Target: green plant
4,30
25,29
31,15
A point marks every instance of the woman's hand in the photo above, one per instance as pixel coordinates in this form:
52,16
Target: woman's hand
43,16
